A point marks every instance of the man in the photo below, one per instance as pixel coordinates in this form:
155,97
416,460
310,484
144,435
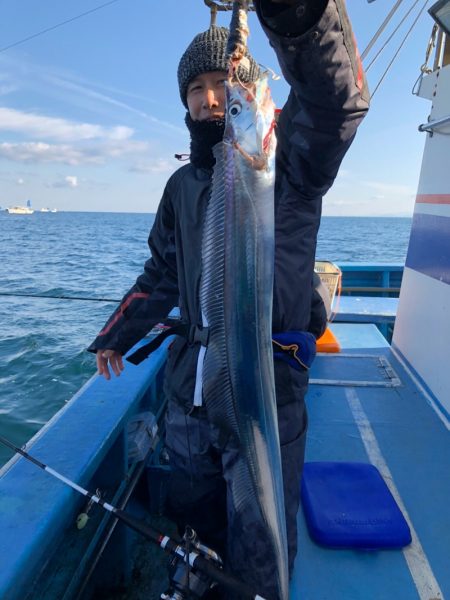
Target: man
328,99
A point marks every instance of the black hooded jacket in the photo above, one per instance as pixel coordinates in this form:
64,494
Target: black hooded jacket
328,100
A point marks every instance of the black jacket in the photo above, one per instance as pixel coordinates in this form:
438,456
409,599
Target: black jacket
328,100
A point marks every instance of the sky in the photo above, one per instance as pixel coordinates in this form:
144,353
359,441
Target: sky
90,114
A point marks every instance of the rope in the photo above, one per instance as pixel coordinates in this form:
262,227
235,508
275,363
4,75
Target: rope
424,69
400,47
391,36
380,30
431,44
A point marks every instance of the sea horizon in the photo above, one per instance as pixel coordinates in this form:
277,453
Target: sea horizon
122,212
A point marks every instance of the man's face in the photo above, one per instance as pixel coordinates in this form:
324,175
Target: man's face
206,96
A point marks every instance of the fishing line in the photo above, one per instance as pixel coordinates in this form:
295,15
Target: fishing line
163,541
23,295
35,35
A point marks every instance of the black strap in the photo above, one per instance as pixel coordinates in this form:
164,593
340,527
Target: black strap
192,333
197,335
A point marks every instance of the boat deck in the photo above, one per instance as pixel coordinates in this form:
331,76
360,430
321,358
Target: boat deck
365,309
382,418
363,407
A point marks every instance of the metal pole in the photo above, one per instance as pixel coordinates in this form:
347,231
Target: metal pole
438,53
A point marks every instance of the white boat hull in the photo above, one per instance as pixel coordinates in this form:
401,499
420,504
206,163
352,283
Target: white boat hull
20,210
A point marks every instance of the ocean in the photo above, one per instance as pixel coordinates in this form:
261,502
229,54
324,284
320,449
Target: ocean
43,360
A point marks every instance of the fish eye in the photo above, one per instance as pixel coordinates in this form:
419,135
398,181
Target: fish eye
235,109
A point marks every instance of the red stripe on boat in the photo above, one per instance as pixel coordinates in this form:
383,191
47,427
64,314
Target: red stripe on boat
433,199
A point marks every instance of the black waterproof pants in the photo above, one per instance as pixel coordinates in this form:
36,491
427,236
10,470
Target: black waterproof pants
202,472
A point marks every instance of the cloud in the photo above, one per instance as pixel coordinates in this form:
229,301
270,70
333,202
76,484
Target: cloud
35,125
7,89
40,152
391,189
157,166
76,91
18,177
70,181
370,198
93,154
340,202
82,88
6,86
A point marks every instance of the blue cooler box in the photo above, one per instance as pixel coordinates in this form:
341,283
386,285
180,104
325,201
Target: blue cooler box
348,505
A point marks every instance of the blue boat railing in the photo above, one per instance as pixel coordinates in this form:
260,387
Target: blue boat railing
87,442
368,279
369,294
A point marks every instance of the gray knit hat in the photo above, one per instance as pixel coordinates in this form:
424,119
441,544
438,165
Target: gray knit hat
207,52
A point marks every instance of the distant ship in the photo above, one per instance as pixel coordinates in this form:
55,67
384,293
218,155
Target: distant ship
21,210
53,210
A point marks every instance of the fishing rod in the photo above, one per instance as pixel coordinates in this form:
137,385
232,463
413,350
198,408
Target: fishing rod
53,297
205,563
125,497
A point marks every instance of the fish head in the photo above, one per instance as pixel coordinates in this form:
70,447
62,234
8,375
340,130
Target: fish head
250,119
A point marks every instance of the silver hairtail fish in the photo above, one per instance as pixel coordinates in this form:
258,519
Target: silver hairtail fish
236,302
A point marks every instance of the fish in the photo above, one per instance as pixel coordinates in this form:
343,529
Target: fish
236,292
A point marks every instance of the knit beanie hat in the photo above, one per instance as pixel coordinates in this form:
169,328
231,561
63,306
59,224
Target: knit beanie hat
207,52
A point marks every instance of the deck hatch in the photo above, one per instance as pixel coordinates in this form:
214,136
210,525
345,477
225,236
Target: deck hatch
361,370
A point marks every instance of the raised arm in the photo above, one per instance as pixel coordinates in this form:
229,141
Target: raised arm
317,52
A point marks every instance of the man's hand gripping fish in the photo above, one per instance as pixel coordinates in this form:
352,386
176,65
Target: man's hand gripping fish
236,302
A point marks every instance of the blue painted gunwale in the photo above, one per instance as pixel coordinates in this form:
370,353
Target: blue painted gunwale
355,305
35,509
371,275
359,303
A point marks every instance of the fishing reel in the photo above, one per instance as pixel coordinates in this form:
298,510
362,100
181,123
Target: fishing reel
186,582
